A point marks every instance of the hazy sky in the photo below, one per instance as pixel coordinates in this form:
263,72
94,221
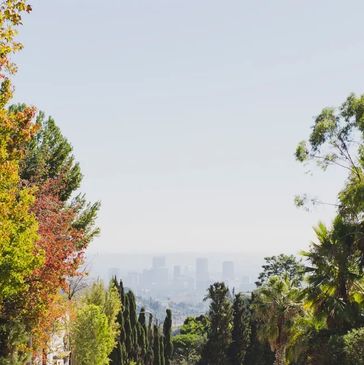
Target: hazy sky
185,114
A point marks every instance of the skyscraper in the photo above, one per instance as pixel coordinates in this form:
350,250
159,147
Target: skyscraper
202,273
228,272
158,262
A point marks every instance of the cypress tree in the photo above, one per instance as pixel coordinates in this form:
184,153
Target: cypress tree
142,346
218,342
142,319
128,330
150,330
259,353
156,347
161,350
241,330
133,325
167,332
142,334
121,319
150,341
143,322
118,355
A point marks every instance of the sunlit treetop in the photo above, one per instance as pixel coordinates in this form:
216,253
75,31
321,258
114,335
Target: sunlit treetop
337,138
11,12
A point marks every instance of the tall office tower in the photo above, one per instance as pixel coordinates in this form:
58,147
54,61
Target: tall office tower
158,262
176,272
228,272
202,273
156,278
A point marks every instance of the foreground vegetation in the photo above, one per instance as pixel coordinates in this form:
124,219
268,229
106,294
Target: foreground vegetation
302,312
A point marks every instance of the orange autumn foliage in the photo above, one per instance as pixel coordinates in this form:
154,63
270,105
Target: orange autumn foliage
60,242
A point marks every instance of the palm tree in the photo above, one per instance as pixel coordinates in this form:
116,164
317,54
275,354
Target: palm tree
334,276
275,306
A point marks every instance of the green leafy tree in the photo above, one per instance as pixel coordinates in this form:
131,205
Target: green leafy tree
188,344
92,339
18,226
220,316
281,265
354,346
49,156
241,330
108,301
276,306
337,140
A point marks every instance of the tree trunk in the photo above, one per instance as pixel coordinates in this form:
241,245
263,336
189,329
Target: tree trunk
44,357
280,356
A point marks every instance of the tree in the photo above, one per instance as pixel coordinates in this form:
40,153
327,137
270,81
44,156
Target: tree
142,334
354,346
93,342
49,158
65,228
337,140
108,301
276,306
118,354
334,292
219,338
259,352
161,350
281,265
241,330
92,339
18,226
167,333
156,346
150,341
188,344
19,255
133,332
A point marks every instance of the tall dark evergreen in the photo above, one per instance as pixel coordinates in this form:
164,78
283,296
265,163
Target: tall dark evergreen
219,338
161,350
150,341
129,344
156,346
142,343
118,355
241,330
142,319
258,353
134,353
167,333
143,334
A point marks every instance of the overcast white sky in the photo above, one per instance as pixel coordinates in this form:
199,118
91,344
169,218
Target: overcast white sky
185,114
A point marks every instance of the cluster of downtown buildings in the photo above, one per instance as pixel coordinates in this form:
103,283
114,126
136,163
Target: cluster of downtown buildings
181,283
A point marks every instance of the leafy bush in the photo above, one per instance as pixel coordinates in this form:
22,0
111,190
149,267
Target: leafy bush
354,346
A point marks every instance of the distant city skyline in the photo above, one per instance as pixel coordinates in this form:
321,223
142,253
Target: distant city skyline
176,278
